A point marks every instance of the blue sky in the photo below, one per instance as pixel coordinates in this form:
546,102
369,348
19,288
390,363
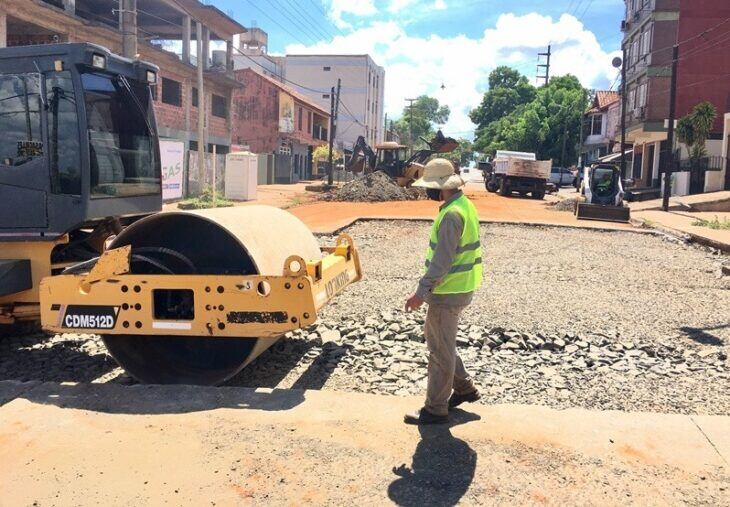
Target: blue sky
425,43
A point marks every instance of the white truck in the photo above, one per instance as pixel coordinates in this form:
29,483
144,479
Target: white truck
521,172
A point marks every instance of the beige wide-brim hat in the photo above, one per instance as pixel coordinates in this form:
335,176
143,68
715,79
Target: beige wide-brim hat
439,173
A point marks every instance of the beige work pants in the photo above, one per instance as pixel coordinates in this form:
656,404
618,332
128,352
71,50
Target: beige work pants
445,367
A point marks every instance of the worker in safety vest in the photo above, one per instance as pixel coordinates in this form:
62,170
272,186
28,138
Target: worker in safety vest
453,273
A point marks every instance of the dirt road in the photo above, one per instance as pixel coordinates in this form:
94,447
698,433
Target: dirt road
325,217
178,445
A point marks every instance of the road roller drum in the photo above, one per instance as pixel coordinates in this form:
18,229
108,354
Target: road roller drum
193,297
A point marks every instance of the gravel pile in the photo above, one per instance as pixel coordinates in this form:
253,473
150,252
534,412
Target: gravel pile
374,187
564,205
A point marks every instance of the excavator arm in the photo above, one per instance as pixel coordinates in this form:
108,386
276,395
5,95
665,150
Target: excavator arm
363,157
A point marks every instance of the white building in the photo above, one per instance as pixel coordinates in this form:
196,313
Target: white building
361,95
252,52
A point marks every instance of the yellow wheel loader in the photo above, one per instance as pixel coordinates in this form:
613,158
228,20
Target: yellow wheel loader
178,297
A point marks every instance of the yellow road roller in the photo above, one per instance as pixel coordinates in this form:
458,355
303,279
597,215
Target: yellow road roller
178,297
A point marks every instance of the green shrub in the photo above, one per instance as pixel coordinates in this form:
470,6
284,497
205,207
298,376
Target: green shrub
204,201
713,224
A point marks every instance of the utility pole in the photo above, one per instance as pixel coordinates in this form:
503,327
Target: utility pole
129,28
410,122
670,133
545,65
623,112
565,140
201,105
334,111
385,128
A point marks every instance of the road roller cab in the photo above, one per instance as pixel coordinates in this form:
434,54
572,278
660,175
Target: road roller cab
79,160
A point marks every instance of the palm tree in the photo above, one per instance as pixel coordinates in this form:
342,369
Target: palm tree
694,129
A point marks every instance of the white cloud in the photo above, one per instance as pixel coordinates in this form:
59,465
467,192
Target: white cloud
419,65
439,5
399,5
354,7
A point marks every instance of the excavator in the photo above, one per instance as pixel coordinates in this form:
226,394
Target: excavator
392,158
177,297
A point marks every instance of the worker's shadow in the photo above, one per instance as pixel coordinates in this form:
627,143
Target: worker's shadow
442,470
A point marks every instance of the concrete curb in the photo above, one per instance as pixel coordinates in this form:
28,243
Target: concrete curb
488,222
682,235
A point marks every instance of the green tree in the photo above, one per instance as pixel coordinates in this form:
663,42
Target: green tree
694,129
322,152
422,117
508,90
545,124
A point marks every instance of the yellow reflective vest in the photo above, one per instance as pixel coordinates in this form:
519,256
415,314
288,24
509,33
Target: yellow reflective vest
465,274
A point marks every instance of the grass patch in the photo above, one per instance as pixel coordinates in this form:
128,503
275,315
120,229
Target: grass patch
716,224
205,201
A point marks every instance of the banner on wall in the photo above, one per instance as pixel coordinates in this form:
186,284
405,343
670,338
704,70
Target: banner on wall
172,160
286,113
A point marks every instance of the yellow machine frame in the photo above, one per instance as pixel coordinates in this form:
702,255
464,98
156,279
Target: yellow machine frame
110,300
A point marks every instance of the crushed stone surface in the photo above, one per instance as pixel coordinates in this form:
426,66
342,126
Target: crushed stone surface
565,318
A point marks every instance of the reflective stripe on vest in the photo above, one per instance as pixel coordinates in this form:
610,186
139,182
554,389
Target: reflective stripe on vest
465,274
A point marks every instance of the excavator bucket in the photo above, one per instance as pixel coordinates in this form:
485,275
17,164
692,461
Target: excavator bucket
585,211
443,144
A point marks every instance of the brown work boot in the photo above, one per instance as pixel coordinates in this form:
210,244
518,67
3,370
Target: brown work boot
423,416
457,399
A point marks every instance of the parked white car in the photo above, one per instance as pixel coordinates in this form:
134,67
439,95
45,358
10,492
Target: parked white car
561,176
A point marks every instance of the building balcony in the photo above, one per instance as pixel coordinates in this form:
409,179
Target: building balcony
319,132
595,140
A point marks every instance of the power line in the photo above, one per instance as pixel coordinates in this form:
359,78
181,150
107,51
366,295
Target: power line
590,2
319,27
276,22
320,9
301,26
618,76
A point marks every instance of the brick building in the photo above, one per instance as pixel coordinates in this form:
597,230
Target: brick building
270,117
651,28
164,32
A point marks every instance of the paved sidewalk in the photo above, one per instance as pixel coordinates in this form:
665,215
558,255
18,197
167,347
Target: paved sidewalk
681,223
150,445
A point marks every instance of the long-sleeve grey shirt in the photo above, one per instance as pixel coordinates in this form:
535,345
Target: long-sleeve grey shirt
450,231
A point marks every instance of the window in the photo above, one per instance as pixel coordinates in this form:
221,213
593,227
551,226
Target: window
63,134
219,107
194,97
596,124
171,92
646,42
121,144
325,95
309,122
326,69
299,119
641,95
20,119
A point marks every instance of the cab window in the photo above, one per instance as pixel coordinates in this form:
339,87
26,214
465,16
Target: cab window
20,119
64,150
